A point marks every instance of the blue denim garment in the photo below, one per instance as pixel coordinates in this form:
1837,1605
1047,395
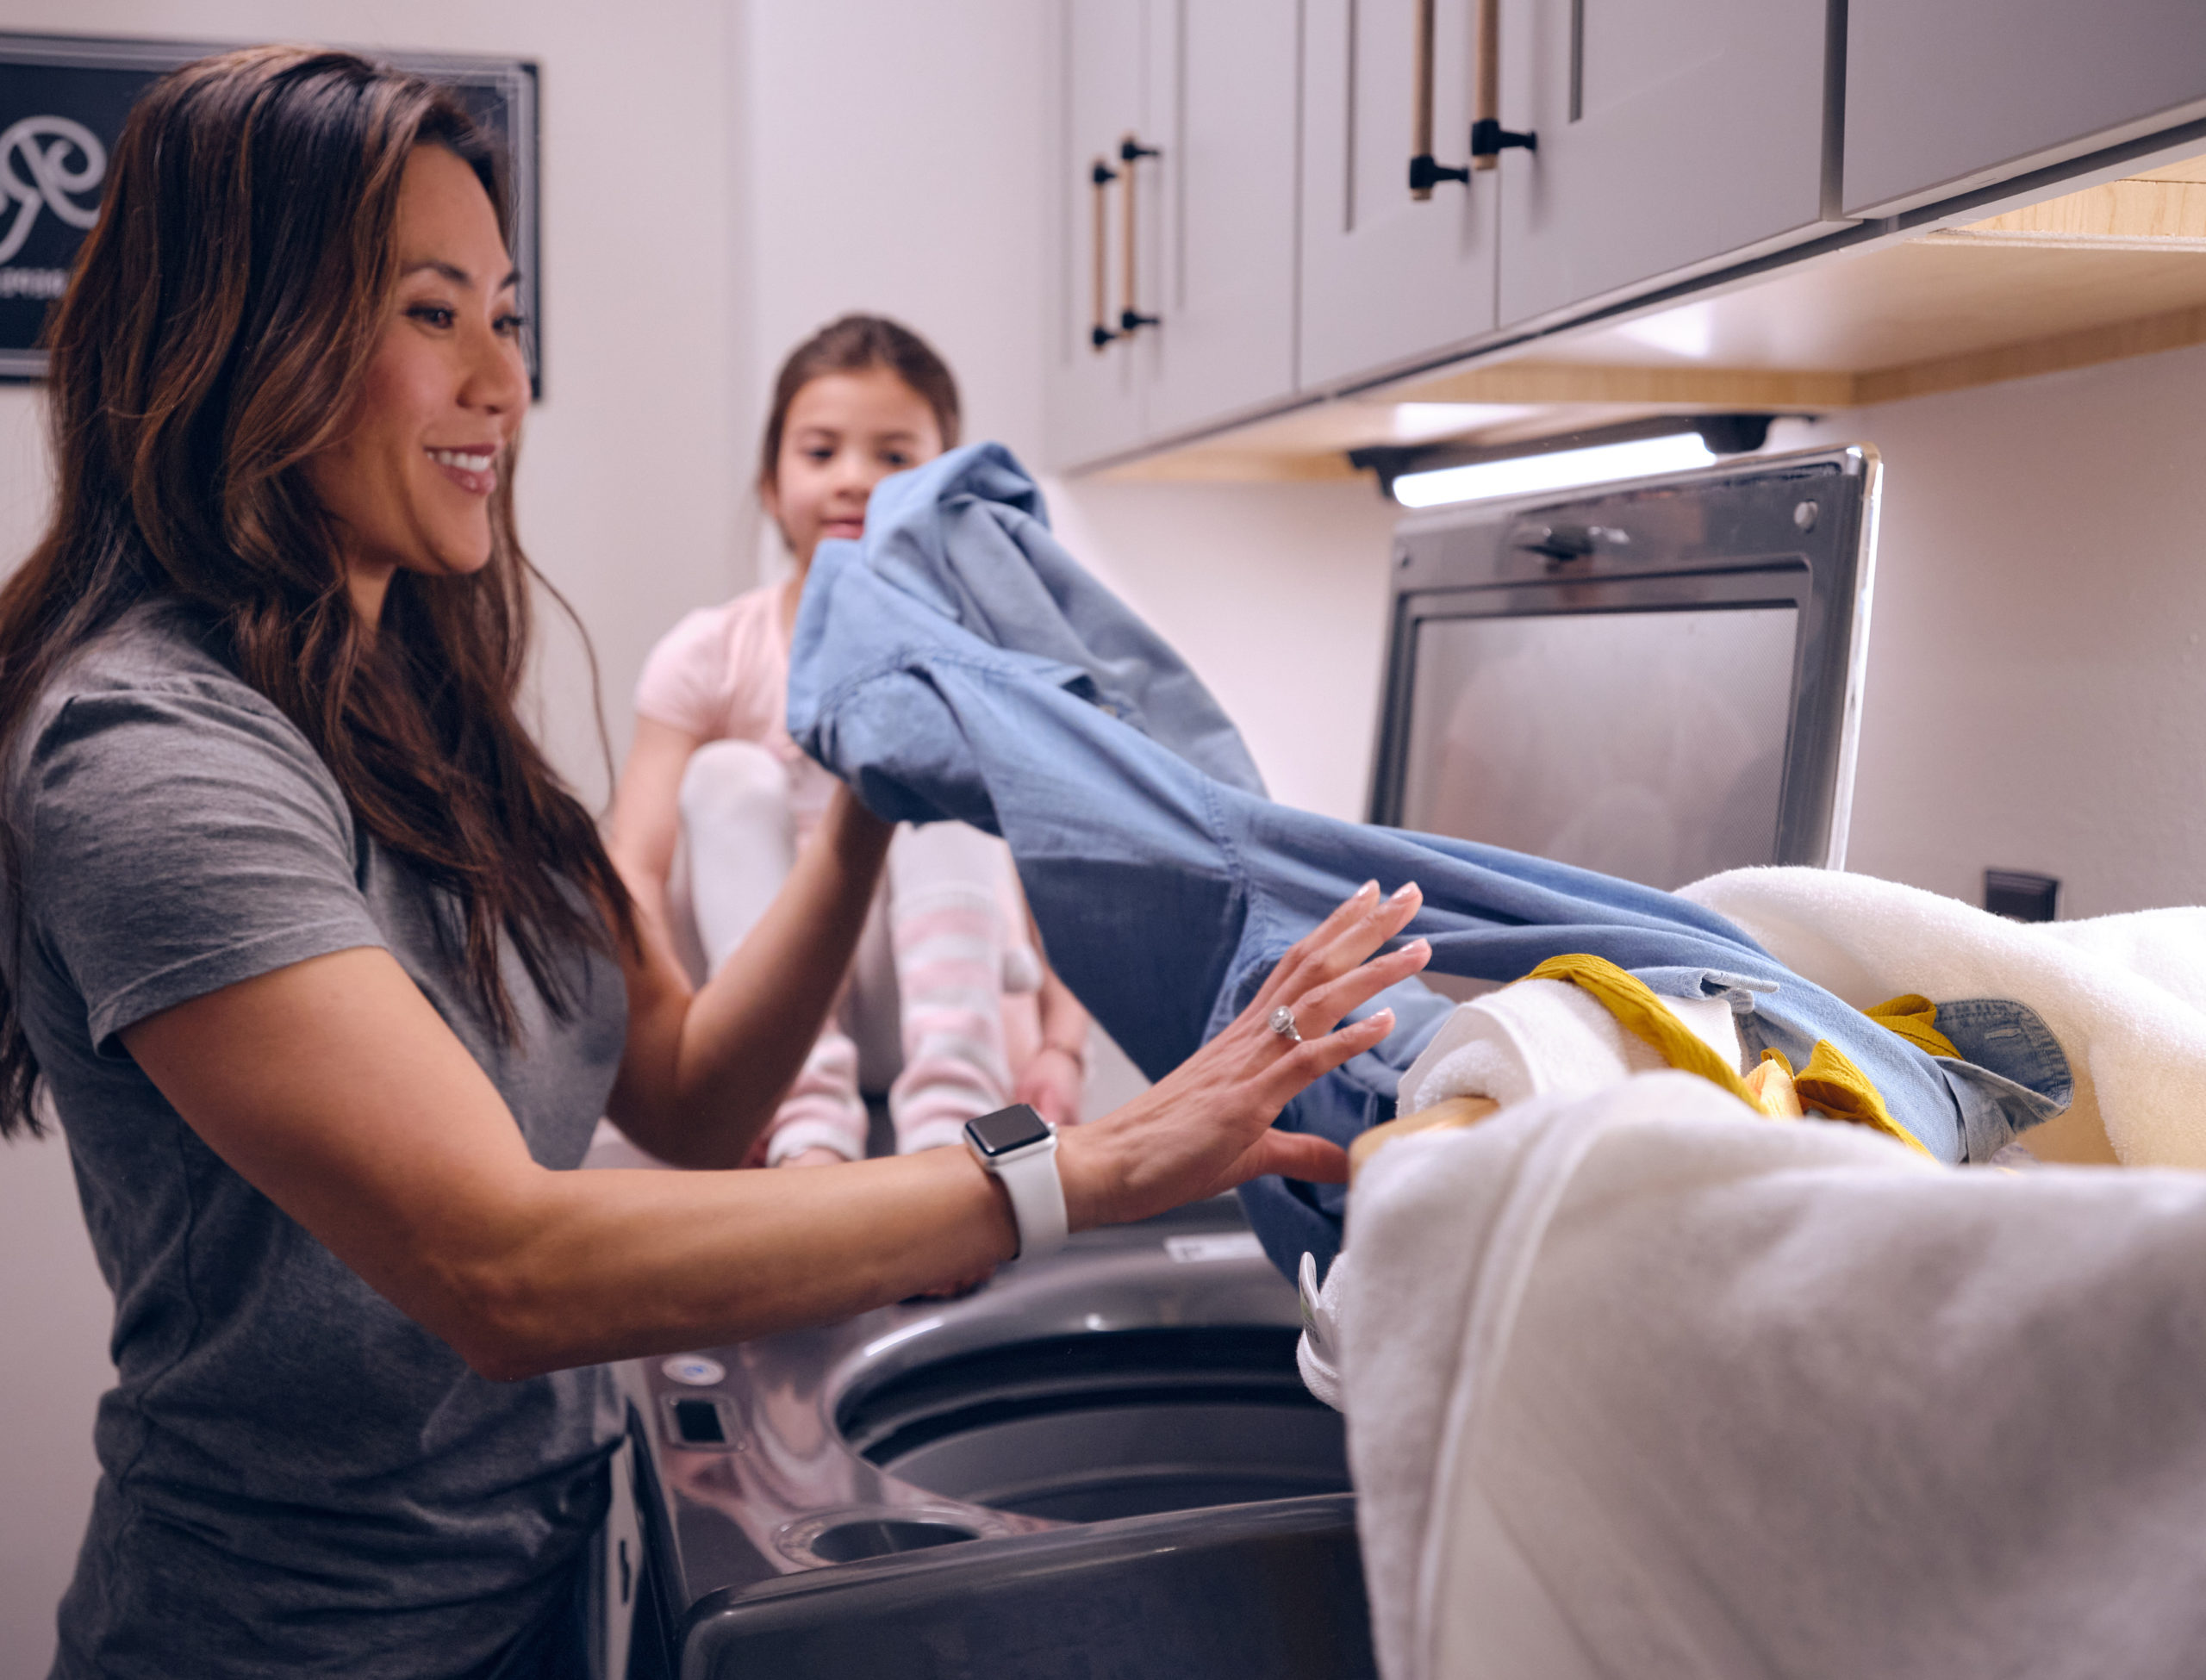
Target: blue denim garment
2010,1074
943,667
1013,585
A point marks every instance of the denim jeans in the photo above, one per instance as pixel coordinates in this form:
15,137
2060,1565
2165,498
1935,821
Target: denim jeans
957,663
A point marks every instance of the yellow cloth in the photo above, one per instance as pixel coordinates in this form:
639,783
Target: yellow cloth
1836,1086
1830,1082
1915,1018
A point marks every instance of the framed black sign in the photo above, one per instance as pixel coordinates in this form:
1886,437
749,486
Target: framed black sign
62,103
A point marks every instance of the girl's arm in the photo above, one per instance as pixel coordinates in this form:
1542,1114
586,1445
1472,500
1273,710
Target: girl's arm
646,816
334,1087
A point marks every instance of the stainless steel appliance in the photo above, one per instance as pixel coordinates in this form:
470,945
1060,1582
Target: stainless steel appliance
1659,679
1103,1462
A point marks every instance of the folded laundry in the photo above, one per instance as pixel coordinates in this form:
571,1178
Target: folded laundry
957,663
2115,1006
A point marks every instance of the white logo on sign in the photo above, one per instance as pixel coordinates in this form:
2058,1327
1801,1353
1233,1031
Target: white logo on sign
52,185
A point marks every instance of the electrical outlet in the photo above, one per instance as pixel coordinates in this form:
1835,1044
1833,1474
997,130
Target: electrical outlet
2021,896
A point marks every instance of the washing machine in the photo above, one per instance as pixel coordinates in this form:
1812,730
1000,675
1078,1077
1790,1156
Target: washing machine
1102,1463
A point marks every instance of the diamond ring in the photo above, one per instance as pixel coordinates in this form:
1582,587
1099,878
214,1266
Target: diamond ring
1282,1023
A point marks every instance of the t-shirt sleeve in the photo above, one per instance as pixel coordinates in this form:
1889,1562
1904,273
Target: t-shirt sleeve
685,679
180,840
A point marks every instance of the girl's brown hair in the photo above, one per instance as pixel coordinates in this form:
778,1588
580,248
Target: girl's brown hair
856,344
219,322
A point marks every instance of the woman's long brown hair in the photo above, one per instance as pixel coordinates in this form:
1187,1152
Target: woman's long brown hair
218,326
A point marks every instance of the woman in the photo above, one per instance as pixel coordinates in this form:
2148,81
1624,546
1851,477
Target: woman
324,972
930,1015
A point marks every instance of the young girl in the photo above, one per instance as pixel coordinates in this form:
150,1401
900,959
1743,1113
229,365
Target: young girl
947,998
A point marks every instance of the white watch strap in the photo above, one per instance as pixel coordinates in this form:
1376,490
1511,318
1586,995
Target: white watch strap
1038,1202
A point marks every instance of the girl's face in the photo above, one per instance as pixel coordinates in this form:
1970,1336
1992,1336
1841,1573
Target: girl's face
409,481
843,433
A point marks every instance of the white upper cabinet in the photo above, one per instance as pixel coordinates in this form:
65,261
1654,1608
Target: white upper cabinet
1256,200
1388,277
1095,388
1945,96
1225,337
1175,219
1671,135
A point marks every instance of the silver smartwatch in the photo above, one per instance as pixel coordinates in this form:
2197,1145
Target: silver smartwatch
1020,1148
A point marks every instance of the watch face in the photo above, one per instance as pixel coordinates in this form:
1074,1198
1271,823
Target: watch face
1006,1130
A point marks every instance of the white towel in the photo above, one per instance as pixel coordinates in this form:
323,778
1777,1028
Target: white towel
1640,1385
1546,1035
2124,995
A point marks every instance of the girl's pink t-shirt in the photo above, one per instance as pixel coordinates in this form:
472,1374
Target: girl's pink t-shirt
722,675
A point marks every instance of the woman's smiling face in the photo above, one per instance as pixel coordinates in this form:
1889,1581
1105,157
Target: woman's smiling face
410,480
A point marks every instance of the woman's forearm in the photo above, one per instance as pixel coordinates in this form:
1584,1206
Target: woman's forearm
705,1071
611,1265
334,1087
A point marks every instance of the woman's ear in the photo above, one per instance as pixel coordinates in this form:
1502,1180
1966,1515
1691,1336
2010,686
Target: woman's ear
769,498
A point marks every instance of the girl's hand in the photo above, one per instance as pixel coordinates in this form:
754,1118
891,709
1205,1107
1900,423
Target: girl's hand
1206,1126
1051,1084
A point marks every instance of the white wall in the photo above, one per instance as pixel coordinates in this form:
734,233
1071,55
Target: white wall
626,502
2036,694
895,163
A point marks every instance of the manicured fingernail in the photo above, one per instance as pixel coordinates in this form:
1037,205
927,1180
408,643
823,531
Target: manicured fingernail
1417,948
1369,890
1404,890
1386,1015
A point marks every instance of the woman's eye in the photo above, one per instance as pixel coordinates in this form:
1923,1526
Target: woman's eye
510,326
433,315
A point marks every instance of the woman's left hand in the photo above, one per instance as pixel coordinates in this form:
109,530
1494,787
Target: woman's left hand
1206,1126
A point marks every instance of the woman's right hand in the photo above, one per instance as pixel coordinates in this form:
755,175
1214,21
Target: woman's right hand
1206,1126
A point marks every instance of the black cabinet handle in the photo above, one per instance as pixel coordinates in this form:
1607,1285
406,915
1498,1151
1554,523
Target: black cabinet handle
1489,139
1130,319
1100,177
1425,171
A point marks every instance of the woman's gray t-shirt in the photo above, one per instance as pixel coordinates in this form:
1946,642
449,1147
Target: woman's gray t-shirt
297,1476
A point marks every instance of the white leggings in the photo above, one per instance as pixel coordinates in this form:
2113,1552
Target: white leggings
924,1013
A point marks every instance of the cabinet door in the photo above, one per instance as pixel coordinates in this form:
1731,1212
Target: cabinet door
1945,96
1387,279
1671,136
1094,396
1225,280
